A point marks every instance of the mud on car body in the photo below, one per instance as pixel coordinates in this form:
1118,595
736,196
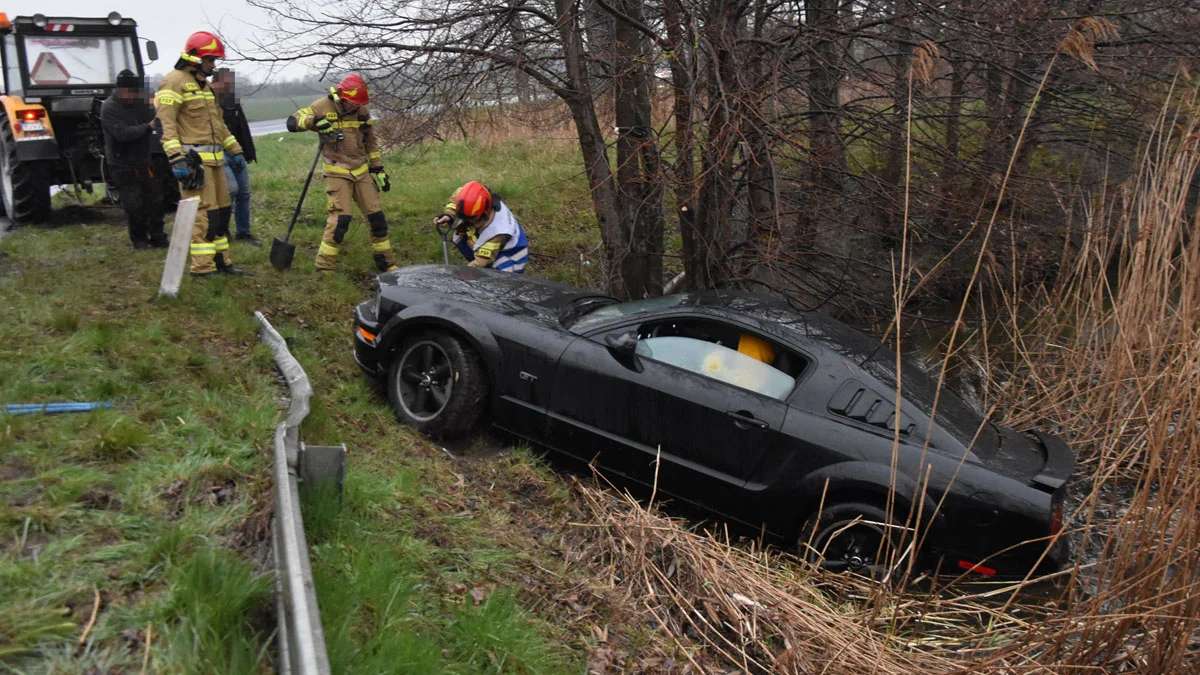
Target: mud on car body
781,420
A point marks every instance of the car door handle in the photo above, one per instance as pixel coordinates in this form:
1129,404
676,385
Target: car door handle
744,420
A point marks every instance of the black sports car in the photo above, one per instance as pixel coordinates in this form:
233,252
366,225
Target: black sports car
782,420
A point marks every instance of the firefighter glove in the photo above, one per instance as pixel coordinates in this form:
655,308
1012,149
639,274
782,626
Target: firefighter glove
443,220
324,126
179,167
382,181
189,171
237,163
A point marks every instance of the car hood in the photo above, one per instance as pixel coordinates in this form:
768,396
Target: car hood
501,292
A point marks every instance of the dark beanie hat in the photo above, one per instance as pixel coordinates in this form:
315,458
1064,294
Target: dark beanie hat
127,78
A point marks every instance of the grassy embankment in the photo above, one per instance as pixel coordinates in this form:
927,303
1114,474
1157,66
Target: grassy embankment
158,507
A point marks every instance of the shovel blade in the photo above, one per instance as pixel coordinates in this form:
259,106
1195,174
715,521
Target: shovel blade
282,253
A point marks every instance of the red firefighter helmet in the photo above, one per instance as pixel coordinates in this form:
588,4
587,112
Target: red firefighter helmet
354,89
474,200
201,44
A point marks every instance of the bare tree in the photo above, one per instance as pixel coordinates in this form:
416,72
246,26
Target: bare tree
786,152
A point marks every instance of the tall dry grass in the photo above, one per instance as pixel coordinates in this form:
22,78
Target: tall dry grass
1112,357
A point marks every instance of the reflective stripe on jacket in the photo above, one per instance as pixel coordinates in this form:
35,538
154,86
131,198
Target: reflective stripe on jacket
357,149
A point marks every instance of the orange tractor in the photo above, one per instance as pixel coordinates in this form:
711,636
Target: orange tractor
57,71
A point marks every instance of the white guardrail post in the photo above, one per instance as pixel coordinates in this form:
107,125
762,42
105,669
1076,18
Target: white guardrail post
301,639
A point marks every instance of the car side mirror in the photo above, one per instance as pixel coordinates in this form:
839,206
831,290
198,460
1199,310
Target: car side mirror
625,343
623,347
151,51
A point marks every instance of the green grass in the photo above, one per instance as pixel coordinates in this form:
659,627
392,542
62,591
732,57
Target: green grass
160,504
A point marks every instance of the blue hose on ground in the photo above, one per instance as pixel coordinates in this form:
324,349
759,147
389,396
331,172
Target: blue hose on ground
52,408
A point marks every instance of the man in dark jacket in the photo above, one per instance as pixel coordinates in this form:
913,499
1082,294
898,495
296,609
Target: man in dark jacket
237,177
128,121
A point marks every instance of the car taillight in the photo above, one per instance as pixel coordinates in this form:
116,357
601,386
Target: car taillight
1056,518
31,115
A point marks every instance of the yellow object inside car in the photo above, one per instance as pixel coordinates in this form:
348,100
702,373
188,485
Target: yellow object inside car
756,348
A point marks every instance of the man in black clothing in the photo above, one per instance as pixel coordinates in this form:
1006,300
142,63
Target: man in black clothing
236,176
128,121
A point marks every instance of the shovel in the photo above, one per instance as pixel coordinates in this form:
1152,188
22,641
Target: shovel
445,234
282,251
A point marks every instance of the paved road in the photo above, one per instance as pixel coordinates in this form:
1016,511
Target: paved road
268,127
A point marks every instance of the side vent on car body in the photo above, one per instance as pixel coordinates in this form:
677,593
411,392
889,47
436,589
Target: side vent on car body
856,402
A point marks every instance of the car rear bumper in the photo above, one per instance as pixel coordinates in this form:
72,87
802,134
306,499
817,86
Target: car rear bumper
367,354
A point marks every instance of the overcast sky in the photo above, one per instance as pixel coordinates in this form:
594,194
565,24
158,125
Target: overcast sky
170,22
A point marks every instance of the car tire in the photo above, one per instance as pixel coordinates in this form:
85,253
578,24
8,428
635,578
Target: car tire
852,537
437,385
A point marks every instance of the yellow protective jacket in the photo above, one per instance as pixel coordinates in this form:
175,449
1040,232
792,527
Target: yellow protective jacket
191,119
357,151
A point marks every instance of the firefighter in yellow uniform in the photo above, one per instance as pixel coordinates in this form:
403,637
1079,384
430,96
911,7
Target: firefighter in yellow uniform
198,146
353,168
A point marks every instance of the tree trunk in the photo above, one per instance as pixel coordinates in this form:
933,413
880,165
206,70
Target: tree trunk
825,136
637,190
716,189
893,173
579,99
761,190
683,171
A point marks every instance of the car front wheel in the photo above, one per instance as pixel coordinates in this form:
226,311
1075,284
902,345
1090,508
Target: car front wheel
853,537
437,385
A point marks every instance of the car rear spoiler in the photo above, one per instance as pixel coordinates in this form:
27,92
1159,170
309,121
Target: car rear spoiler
1060,462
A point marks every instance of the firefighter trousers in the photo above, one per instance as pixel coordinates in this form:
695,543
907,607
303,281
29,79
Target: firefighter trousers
210,232
341,192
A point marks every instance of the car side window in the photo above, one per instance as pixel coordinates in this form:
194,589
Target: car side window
722,352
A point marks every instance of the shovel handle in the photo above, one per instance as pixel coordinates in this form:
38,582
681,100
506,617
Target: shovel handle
445,235
303,192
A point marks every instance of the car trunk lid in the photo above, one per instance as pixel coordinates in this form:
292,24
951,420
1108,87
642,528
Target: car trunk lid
1039,459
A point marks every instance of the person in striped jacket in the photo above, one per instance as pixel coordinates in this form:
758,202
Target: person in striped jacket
488,234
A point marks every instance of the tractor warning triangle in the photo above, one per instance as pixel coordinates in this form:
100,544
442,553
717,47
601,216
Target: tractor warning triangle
48,70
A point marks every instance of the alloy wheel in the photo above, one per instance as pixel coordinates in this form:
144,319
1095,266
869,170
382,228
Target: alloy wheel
425,380
860,547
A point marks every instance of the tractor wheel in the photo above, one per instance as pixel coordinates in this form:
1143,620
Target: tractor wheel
24,189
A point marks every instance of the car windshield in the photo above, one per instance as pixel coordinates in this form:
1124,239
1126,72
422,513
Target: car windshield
954,414
77,60
621,309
